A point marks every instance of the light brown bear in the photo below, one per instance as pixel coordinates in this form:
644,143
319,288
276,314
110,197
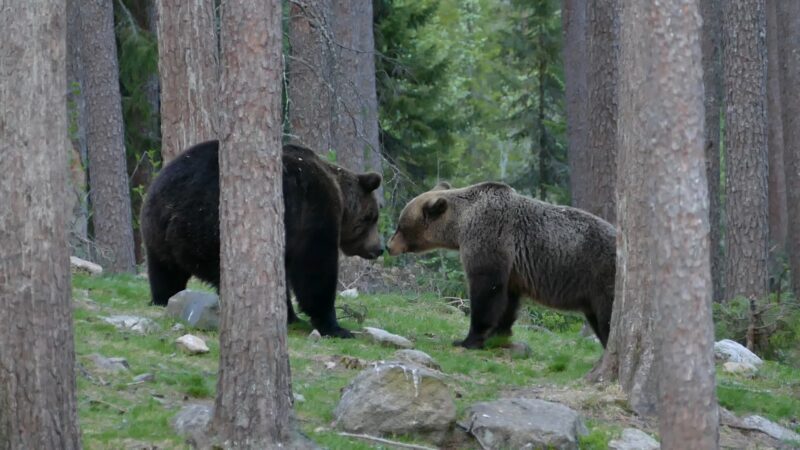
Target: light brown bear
511,246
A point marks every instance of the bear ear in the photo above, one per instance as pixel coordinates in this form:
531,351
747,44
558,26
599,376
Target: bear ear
369,181
434,208
442,186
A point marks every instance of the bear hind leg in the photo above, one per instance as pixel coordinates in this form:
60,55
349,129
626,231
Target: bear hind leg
599,319
165,281
488,297
508,317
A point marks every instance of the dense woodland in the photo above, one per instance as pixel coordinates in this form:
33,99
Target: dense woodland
678,122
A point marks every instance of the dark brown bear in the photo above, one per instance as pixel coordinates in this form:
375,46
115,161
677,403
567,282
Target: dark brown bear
327,208
512,246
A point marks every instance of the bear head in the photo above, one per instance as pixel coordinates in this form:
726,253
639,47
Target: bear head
358,235
426,223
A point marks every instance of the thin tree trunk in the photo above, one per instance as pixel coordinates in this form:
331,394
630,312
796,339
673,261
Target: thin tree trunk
745,79
311,85
777,177
672,112
108,176
573,15
602,109
253,392
187,66
38,407
712,82
789,57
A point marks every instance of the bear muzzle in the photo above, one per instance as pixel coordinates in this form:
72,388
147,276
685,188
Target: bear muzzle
396,245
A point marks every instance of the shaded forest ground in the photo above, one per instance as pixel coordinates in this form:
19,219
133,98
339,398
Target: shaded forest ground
116,412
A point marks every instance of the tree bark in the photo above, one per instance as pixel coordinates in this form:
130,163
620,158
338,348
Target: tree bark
253,392
188,70
712,83
311,85
38,408
776,177
789,57
602,109
573,15
745,79
108,176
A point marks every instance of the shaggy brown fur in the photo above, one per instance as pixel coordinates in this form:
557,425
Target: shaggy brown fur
512,246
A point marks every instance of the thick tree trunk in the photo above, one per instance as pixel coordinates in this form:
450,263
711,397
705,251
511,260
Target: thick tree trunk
311,85
108,176
672,101
573,15
38,408
777,177
188,69
789,57
712,82
253,392
745,79
602,109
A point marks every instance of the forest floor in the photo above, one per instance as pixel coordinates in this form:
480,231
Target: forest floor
117,412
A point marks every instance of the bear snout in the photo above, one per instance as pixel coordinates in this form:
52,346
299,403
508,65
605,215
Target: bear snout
396,245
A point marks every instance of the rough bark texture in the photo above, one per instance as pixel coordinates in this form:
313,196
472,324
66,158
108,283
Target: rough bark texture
253,392
672,101
38,408
745,80
789,57
712,83
108,176
573,16
602,110
776,177
311,91
187,66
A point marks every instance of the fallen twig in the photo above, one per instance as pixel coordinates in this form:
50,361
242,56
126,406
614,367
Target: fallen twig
367,437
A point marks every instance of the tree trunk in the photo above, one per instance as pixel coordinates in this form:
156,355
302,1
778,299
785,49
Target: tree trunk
187,67
573,15
38,408
672,112
311,90
712,83
602,109
253,392
108,176
789,57
776,177
745,78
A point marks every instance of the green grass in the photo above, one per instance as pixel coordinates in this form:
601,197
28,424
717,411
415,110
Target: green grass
115,413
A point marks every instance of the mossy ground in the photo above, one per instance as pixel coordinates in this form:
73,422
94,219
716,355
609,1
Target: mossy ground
115,412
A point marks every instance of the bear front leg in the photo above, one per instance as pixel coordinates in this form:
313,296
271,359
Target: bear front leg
488,297
165,280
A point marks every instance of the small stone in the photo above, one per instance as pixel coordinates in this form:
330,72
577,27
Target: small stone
198,309
417,357
109,365
192,418
178,327
732,351
144,378
299,398
633,439
349,293
191,344
141,325
330,365
83,265
740,368
520,350
314,336
386,338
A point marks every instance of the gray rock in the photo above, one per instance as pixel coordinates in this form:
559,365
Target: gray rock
732,351
633,439
109,365
198,309
770,428
385,338
192,418
349,293
417,357
520,350
191,344
740,368
136,324
83,265
144,378
524,424
393,397
314,336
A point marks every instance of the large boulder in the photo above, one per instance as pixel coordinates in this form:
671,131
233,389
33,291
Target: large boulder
417,357
397,398
727,350
198,309
524,424
633,439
